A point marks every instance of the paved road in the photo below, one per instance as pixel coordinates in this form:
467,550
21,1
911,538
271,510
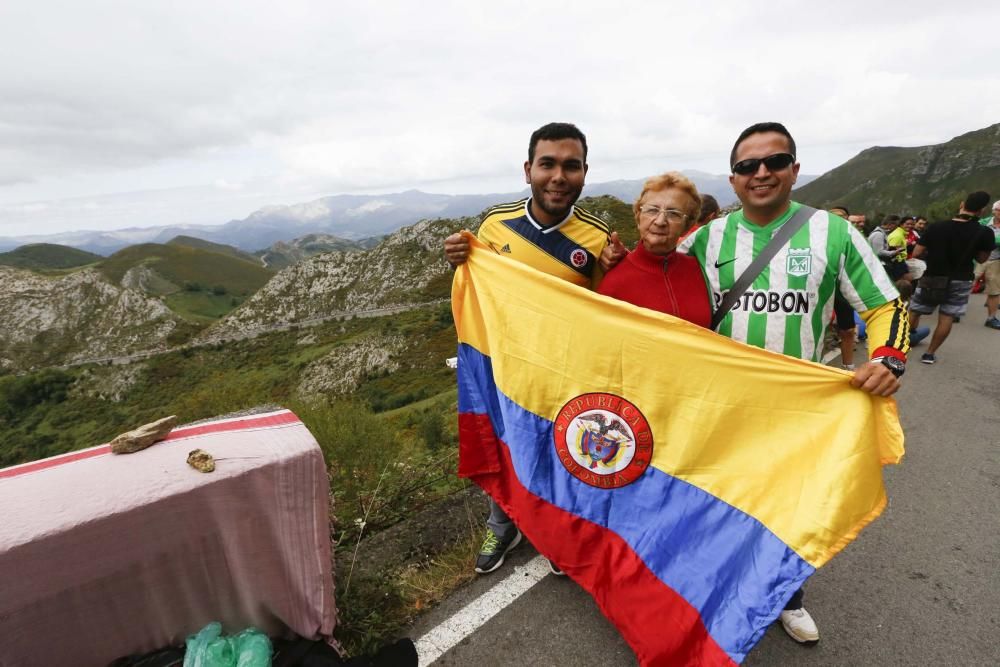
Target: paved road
920,586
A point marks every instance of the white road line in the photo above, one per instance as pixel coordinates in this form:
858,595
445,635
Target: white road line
467,620
830,356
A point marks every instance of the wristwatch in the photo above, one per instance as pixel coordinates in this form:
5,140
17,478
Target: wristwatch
896,366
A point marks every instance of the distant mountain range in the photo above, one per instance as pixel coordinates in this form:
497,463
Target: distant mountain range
360,218
929,180
352,217
925,179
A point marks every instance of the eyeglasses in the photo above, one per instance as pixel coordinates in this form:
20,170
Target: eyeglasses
652,212
775,162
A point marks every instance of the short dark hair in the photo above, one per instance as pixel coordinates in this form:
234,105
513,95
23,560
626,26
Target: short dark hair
709,207
758,128
555,132
976,201
891,220
840,208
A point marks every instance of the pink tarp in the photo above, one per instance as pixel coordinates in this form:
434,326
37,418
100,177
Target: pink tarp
104,555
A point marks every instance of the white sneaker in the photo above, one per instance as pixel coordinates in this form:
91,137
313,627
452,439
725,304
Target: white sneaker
800,626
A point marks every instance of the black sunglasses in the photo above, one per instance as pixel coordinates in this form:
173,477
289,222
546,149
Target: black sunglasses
775,162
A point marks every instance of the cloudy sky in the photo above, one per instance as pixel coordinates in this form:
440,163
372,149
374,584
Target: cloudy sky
117,114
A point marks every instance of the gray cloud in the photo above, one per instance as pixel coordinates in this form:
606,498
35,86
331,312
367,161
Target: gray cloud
105,97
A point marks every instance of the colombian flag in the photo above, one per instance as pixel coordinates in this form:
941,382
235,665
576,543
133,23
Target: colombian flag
689,483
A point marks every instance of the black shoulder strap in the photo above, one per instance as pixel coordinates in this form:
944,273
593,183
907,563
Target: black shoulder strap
780,238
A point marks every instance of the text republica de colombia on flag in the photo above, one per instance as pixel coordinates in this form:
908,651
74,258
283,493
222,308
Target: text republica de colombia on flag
688,482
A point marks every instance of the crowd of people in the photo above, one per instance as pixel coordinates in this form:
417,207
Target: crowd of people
767,274
939,264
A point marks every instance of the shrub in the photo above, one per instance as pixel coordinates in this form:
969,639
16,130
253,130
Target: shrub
432,430
20,394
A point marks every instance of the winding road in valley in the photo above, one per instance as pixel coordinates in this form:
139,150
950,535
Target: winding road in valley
253,333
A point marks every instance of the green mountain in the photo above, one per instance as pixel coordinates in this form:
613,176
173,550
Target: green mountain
198,283
929,180
47,256
193,242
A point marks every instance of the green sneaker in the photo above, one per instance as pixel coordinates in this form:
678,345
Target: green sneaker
493,551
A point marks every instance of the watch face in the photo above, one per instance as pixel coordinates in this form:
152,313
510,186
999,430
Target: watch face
894,365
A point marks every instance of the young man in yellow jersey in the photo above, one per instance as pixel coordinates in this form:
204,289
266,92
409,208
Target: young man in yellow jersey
550,233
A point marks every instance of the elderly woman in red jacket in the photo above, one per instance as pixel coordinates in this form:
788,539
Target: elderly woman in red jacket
654,275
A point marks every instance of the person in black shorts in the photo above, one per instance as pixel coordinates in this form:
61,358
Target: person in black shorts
950,246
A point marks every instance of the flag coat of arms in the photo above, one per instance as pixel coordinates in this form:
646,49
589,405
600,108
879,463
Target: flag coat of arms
689,483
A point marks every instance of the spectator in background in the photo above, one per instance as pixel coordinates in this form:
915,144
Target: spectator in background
896,240
950,247
879,240
859,220
910,228
708,211
991,271
916,267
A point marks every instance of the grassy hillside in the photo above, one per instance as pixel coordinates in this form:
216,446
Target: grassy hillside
222,249
53,411
929,180
47,256
182,264
199,284
617,214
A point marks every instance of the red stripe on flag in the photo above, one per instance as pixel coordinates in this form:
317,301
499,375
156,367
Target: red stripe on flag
277,419
660,626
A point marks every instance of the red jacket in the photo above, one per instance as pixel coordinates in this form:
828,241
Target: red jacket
673,284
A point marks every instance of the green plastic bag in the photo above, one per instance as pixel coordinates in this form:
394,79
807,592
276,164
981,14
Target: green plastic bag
253,649
208,648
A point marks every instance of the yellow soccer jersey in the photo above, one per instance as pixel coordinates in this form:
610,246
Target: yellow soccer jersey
568,250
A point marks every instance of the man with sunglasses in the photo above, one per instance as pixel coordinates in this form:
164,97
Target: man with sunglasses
788,305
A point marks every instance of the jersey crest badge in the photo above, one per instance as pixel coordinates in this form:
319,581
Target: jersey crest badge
578,258
799,261
603,440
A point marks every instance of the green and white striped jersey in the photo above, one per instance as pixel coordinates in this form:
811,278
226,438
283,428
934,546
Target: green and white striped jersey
789,305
